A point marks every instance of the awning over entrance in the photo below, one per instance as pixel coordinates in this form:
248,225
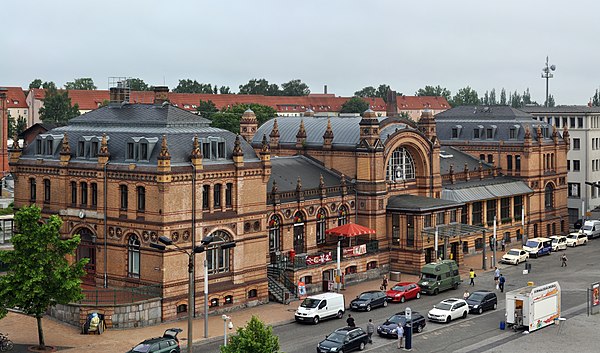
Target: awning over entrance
350,230
414,203
453,230
486,189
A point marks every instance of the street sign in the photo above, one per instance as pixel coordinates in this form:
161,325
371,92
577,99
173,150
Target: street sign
408,314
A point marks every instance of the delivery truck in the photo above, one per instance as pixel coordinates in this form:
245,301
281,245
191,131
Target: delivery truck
532,308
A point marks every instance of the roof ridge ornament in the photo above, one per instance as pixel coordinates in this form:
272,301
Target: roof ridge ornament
65,150
196,148
237,148
164,149
104,146
275,129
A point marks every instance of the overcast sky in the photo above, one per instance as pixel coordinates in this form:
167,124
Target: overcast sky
344,44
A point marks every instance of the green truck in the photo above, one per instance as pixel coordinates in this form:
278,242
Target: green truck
439,276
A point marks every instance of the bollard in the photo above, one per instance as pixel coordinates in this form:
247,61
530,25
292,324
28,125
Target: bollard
408,337
502,325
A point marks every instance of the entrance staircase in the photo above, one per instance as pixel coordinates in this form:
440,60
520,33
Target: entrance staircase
281,288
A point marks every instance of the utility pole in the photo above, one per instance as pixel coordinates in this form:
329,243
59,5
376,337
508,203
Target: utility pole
547,74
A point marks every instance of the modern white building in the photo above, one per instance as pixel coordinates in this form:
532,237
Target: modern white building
583,158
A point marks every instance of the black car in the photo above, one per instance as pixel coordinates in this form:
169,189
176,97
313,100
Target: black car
369,300
168,343
482,300
344,339
388,328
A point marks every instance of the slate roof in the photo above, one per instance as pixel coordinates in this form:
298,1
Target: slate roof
453,156
346,131
562,109
149,121
286,170
484,189
500,118
419,203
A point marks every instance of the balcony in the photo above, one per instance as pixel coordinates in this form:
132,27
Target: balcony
328,254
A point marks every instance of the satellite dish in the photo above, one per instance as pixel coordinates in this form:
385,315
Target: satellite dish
553,67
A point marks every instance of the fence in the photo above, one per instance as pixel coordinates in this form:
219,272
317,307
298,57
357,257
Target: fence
122,295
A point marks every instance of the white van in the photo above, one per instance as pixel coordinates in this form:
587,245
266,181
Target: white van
591,229
321,306
538,246
559,242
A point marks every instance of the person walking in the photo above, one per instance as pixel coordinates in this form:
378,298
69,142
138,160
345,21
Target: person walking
384,283
466,294
400,332
472,276
503,244
563,260
496,276
350,321
501,281
370,330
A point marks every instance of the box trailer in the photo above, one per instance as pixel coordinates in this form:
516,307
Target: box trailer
532,308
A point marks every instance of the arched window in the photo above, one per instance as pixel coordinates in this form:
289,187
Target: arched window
141,199
218,259
321,226
133,252
343,216
400,166
274,234
549,196
299,233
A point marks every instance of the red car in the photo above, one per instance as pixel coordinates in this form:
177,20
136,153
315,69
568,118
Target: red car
403,291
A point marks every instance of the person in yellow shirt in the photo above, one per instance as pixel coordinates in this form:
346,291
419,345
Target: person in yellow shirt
472,276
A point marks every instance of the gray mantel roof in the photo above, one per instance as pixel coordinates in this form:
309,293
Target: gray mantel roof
484,189
346,131
286,170
148,121
499,118
416,203
562,109
453,156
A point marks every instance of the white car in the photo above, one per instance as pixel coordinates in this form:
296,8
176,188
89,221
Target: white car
574,239
448,310
515,256
559,242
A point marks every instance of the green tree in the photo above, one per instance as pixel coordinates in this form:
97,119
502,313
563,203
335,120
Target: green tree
137,84
294,88
229,117
493,97
256,337
37,83
189,86
354,105
260,86
84,83
57,107
465,96
382,91
16,126
224,90
39,275
206,109
596,99
436,91
366,92
503,97
48,85
486,99
551,102
516,101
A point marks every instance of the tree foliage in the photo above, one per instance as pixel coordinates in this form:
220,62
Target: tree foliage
465,96
206,109
16,126
551,102
229,117
84,83
224,90
37,83
436,91
193,86
260,86
256,337
503,97
39,274
354,105
137,84
596,99
366,92
57,107
294,88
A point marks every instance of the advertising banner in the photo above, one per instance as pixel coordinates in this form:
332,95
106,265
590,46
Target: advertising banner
595,294
355,250
319,259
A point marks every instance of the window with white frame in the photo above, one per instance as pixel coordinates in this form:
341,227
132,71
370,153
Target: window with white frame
218,259
133,256
400,166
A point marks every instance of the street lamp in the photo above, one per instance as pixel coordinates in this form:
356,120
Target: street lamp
547,75
195,250
225,326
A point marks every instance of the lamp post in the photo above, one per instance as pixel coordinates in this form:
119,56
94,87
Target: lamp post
547,75
225,326
195,250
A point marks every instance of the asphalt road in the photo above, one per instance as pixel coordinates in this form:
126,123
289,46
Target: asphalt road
476,333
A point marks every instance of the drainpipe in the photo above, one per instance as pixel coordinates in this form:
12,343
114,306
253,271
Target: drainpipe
193,295
431,173
105,226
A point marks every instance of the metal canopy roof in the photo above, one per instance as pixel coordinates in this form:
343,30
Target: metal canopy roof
414,203
453,230
486,189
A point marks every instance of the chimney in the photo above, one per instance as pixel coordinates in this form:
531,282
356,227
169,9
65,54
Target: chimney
117,95
161,94
325,89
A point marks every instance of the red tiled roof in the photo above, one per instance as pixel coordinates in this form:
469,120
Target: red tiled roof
15,97
88,100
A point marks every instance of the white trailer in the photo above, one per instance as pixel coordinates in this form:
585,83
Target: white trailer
533,307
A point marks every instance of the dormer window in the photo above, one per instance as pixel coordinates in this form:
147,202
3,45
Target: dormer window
454,133
130,150
94,149
489,133
89,146
80,148
512,133
144,151
39,146
46,144
140,148
213,148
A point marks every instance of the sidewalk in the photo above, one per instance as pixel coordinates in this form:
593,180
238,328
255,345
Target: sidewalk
22,329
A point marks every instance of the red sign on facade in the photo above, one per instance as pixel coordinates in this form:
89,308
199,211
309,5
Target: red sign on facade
355,250
319,259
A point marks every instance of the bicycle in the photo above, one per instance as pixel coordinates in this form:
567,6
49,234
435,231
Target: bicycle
5,343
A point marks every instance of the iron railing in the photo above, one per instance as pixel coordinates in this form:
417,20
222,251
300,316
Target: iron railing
299,261
121,295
